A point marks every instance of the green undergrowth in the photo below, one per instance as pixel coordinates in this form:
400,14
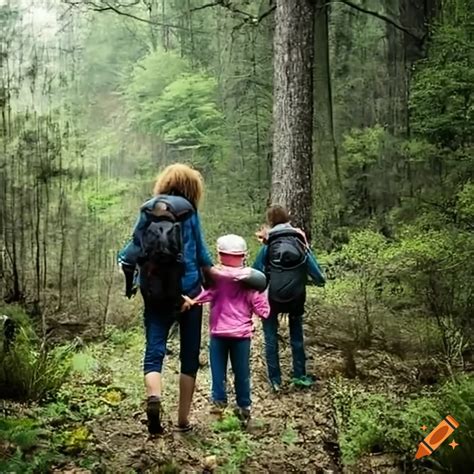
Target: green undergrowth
235,445
104,380
101,380
374,422
29,369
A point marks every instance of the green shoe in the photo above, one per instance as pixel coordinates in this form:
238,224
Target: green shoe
305,381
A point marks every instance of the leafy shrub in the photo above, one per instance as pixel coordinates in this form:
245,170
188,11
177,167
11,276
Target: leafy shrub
435,265
357,293
18,439
29,370
374,422
234,445
228,423
365,428
465,204
457,399
425,272
23,433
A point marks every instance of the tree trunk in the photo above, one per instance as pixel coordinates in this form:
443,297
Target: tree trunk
293,109
326,148
396,105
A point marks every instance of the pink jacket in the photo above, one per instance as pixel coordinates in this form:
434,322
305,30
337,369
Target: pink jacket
232,304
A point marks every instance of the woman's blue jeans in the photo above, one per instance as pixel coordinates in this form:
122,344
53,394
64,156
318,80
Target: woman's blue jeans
157,326
238,350
270,331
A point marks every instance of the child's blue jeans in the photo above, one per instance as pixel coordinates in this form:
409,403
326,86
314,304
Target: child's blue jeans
238,350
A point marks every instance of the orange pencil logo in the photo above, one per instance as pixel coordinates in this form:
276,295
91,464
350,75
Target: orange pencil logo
436,438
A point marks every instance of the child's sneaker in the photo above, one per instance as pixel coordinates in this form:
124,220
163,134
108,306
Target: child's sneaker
304,381
153,413
217,408
243,414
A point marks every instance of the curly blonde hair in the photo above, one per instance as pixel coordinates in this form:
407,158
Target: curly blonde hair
182,180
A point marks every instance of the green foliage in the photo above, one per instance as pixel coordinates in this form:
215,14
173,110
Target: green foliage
31,371
361,263
18,440
423,270
21,432
365,428
186,113
369,174
364,252
149,79
229,422
441,98
290,436
19,316
83,363
364,146
435,264
374,422
77,439
465,204
235,445
242,449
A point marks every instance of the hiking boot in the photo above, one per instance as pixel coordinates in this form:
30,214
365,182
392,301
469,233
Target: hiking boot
243,414
305,381
217,408
153,413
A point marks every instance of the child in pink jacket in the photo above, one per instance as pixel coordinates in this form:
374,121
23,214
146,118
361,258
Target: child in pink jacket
233,303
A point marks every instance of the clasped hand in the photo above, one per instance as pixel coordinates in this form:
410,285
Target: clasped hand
187,303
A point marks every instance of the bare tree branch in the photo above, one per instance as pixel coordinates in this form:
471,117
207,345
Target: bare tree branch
265,14
202,7
105,6
383,17
227,4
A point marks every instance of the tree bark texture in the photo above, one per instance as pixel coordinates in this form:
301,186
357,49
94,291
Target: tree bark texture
293,109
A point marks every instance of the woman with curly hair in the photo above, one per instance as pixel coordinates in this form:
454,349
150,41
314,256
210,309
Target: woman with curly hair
170,253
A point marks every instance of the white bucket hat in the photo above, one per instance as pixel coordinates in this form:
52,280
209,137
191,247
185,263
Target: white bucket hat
232,244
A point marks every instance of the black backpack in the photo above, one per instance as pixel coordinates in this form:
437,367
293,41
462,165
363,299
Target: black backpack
161,260
286,266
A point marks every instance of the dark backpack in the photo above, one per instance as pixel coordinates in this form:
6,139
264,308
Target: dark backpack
161,260
286,266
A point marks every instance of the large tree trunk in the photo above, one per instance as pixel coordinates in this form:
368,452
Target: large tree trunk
293,109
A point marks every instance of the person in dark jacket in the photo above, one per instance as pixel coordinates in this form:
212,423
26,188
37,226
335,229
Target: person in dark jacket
179,187
283,243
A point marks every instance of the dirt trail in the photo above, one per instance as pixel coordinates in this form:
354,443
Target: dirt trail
290,432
